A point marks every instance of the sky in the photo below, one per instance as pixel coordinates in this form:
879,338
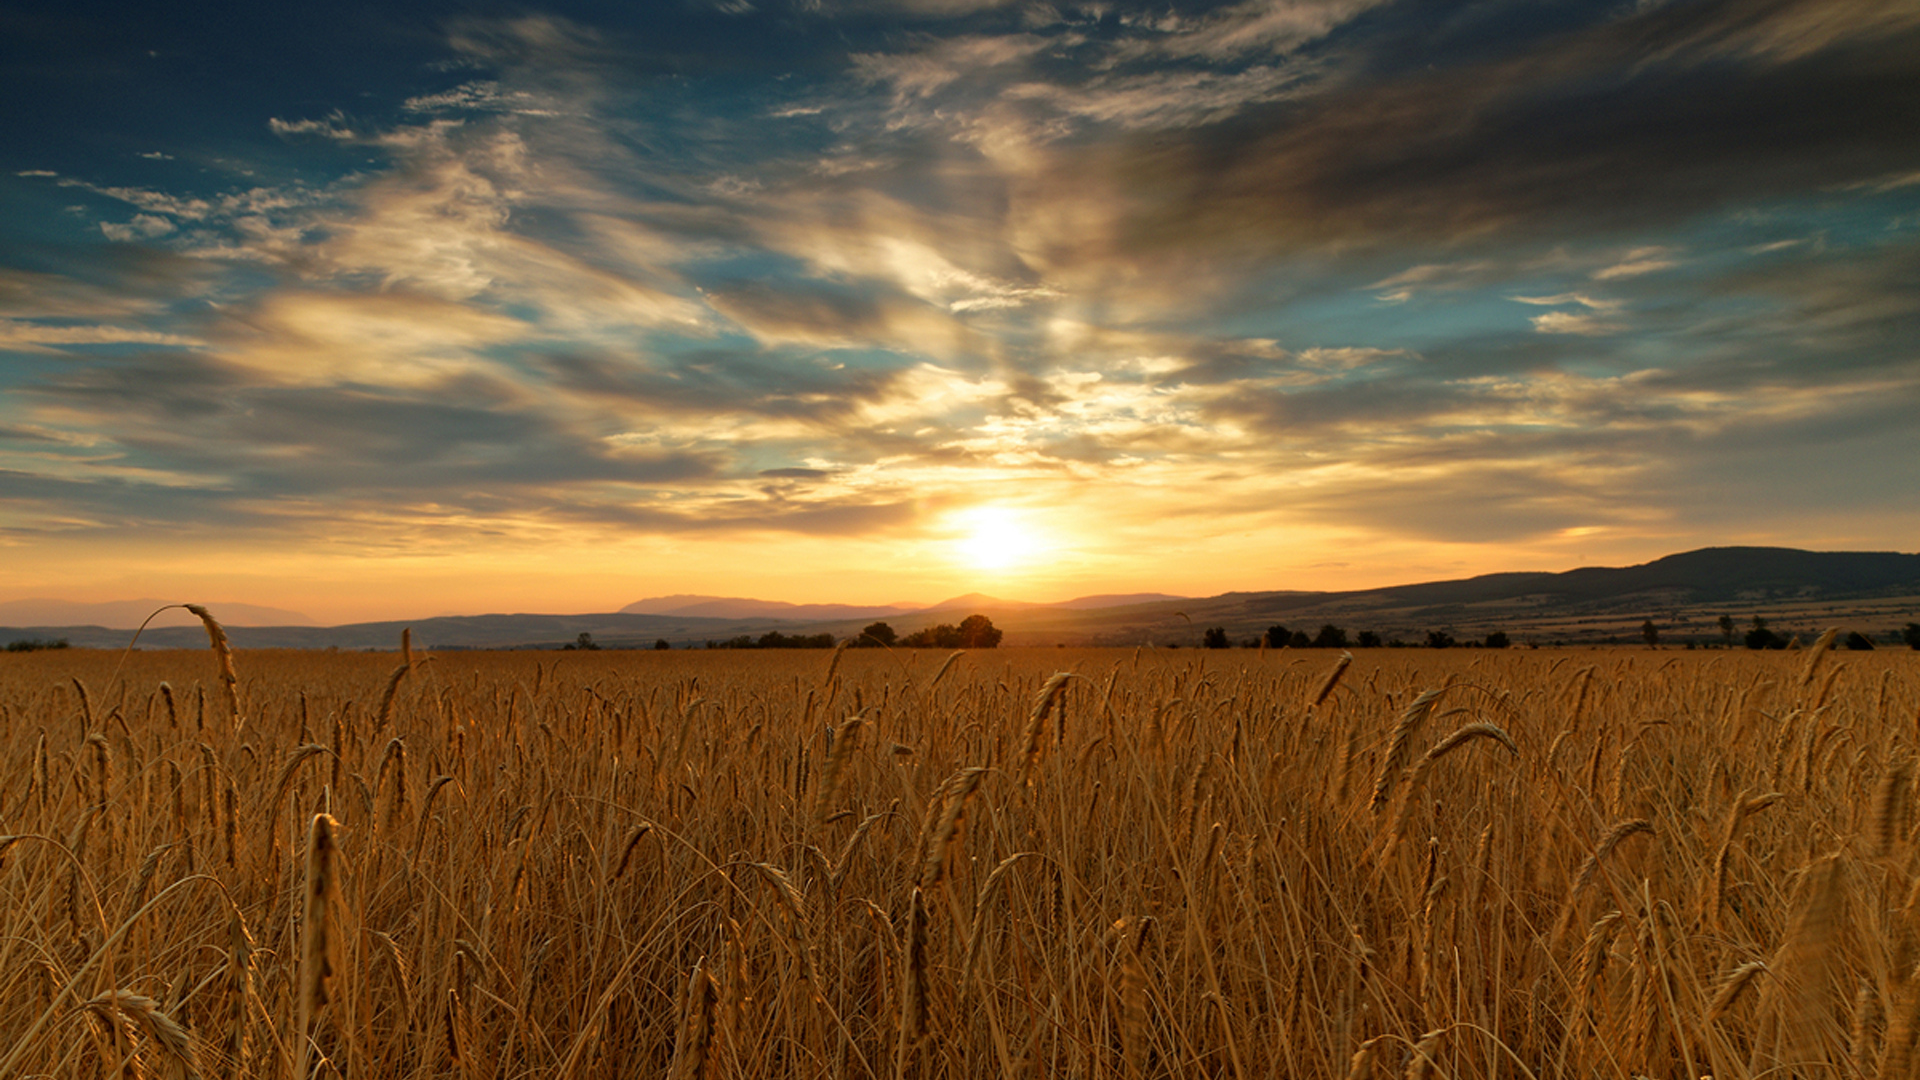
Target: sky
387,310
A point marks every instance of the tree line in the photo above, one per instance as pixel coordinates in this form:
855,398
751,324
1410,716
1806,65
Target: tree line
978,632
1758,636
973,632
1335,637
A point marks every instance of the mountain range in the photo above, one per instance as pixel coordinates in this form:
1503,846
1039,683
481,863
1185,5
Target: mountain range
1685,594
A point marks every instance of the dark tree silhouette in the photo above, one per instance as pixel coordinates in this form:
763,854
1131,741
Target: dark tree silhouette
1858,642
1649,633
1911,635
1278,637
36,644
877,634
1215,637
1369,640
1330,637
1439,639
978,632
974,632
1498,640
1726,629
660,645
1762,638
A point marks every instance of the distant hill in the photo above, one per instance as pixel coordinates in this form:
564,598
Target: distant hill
737,607
979,601
128,614
611,630
1114,600
1685,593
1709,574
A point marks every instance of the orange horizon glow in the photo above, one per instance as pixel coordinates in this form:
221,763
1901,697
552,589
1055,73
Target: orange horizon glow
1024,561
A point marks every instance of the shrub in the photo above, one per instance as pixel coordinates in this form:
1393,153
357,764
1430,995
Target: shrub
36,644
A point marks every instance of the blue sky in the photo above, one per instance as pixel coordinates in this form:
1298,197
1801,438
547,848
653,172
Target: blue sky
400,309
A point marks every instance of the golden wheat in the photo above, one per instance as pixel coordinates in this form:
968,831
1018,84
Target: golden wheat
1709,869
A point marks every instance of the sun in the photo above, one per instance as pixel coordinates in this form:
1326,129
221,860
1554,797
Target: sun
996,538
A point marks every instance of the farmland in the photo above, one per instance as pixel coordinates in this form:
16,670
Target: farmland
1025,862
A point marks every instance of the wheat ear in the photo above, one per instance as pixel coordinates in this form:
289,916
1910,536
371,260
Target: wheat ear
222,648
1817,654
1333,678
913,990
846,740
1396,759
172,1038
1619,832
952,813
696,1030
1043,703
315,937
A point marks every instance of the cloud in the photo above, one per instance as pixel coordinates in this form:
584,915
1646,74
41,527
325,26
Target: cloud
1648,260
133,285
333,127
825,314
142,227
1209,268
1256,26
938,64
1561,138
481,96
1166,99
373,339
1401,287
1566,322
34,336
1582,299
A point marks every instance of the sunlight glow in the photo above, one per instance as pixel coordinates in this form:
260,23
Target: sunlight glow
997,538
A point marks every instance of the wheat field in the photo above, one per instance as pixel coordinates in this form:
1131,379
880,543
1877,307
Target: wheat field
1007,863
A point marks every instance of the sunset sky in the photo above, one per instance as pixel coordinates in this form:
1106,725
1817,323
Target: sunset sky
372,310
